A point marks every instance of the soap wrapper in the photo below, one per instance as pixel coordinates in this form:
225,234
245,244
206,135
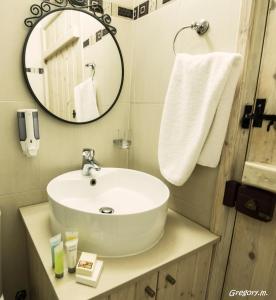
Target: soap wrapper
86,264
93,279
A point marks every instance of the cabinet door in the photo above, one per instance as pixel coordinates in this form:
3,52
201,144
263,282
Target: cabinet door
103,298
187,279
126,293
167,282
146,288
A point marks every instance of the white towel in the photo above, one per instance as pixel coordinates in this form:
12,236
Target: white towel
86,101
211,152
200,86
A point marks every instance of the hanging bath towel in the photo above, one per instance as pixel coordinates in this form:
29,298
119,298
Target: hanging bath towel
196,113
86,101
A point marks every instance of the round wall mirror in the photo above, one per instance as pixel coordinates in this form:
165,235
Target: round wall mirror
73,65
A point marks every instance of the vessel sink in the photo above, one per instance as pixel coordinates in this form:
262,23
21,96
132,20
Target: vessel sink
122,212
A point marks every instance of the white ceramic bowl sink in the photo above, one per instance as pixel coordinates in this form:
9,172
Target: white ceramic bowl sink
139,201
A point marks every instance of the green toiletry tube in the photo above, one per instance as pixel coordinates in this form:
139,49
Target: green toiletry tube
59,260
54,241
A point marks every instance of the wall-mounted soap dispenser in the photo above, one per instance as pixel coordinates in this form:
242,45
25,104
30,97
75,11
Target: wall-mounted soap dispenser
28,131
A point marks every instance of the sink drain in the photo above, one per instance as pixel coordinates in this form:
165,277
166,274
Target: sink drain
106,210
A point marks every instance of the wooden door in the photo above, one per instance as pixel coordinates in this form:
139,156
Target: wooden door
63,65
252,259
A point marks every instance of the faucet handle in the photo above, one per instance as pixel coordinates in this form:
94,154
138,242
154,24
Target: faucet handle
88,153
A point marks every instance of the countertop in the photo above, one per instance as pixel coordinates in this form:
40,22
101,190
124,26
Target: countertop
181,237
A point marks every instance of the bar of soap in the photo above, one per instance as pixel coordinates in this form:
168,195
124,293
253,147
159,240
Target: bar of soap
94,278
86,264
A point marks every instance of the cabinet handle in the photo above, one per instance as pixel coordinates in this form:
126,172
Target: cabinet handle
170,279
149,291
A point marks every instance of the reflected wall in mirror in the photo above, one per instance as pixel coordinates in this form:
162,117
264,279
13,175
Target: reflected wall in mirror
73,65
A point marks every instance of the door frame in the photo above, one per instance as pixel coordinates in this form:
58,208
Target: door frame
250,44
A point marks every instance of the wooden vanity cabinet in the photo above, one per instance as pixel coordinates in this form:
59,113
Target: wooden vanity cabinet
176,269
183,280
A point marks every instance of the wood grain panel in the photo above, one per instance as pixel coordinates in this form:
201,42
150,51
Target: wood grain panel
126,293
260,175
253,251
252,262
64,67
102,298
262,146
191,276
147,281
40,286
252,26
167,291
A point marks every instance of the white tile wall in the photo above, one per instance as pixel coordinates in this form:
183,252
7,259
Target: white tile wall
23,180
153,61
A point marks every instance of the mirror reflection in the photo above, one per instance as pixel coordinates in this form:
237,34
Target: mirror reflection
73,66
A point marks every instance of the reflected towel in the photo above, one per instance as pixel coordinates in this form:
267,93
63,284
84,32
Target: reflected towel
199,98
86,101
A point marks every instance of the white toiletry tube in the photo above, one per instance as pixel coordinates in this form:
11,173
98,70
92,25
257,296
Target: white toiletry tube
54,241
71,247
28,127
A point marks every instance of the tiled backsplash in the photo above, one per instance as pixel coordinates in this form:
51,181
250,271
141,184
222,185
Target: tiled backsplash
35,70
95,38
125,12
139,8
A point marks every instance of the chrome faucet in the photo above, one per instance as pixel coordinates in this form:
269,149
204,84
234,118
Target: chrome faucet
88,162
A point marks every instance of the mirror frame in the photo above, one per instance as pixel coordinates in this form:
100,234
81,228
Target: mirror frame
43,10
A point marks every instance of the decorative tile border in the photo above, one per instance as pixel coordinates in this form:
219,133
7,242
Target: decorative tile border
140,8
143,9
125,12
35,70
95,38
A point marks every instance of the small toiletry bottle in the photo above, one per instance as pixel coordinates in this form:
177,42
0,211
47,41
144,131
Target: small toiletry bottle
54,241
59,260
71,247
71,235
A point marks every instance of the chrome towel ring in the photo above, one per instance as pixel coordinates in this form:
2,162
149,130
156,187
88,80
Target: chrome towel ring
93,68
200,27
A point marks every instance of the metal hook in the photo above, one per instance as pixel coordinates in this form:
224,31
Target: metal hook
93,68
200,27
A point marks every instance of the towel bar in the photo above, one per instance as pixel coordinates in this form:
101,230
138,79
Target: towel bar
200,27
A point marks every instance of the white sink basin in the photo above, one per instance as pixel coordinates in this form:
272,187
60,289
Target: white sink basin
138,200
